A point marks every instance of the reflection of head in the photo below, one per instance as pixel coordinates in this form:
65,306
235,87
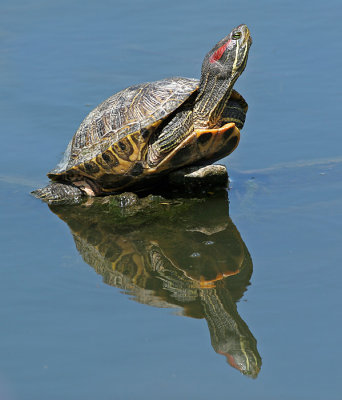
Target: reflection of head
173,255
230,335
244,361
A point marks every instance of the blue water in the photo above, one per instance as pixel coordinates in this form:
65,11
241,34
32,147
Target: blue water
67,334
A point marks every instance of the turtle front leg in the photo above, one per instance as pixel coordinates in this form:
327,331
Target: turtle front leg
202,146
59,192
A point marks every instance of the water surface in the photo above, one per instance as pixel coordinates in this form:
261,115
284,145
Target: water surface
69,326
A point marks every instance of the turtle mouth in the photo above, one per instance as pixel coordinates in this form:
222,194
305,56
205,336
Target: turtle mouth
248,39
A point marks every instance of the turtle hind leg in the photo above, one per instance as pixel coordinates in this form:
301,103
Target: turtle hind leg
57,192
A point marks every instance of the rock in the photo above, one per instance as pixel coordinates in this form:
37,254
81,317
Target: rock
199,177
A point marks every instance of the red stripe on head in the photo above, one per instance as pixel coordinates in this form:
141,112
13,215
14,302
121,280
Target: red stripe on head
219,52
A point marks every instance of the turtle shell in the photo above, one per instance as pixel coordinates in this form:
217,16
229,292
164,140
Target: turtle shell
132,113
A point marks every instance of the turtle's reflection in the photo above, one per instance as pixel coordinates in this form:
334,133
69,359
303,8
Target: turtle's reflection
167,253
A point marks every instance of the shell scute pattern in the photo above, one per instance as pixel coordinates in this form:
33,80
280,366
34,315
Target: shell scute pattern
120,125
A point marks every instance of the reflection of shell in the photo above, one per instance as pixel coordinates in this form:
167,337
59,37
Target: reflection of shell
151,258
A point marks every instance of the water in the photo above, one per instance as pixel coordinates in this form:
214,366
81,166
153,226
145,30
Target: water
69,331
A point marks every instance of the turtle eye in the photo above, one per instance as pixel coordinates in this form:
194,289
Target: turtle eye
236,35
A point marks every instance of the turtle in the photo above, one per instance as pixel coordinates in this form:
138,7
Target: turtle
147,130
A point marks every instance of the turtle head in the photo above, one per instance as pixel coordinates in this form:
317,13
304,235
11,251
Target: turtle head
221,67
228,58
